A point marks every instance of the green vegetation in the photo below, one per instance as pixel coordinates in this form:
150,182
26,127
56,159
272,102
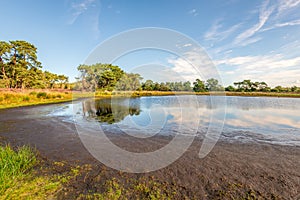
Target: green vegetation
20,68
10,99
17,180
249,86
106,78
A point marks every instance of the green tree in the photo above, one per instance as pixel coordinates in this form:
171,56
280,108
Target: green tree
148,85
199,86
4,51
230,88
213,85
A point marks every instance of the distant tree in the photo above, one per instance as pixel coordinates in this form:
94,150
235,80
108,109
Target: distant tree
213,85
164,87
230,88
199,86
148,85
187,86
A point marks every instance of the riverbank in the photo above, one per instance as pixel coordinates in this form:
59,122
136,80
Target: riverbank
18,98
232,170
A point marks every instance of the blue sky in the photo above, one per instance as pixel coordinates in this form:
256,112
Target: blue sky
257,40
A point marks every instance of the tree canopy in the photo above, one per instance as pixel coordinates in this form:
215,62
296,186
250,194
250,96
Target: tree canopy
20,67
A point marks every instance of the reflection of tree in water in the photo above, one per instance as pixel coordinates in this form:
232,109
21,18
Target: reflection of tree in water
108,111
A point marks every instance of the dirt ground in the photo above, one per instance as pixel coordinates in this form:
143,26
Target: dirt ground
230,171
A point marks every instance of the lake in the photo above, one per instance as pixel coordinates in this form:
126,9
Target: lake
243,119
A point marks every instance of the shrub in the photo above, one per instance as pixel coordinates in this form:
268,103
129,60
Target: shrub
26,98
41,95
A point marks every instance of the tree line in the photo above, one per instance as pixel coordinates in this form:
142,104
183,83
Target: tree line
108,77
20,68
249,86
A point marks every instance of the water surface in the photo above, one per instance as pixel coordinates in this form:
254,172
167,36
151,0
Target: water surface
247,119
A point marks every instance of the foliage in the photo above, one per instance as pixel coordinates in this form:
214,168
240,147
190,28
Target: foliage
20,68
199,86
99,76
249,86
149,85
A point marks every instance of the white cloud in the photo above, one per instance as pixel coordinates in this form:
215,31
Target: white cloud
274,69
214,33
193,12
287,4
264,14
187,45
194,64
78,8
250,41
257,62
283,24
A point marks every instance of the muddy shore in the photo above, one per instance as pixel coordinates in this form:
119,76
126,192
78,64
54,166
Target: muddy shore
231,170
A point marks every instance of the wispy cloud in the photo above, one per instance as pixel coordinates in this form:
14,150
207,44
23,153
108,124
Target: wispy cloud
264,15
90,9
280,25
193,12
215,33
78,8
286,5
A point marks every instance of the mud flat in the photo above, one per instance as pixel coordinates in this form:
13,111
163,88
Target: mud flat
231,170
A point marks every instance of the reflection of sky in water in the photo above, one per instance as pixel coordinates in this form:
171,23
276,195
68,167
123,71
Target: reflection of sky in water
275,119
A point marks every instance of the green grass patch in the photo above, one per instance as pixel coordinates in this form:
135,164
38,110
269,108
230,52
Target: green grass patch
17,180
14,165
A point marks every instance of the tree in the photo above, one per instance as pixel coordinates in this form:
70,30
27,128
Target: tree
213,85
230,88
129,82
23,58
149,85
199,86
187,86
4,51
20,67
63,80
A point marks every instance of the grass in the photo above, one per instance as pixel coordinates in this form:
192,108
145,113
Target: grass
9,99
264,94
17,180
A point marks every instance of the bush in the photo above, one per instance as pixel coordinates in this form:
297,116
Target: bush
32,93
26,98
41,95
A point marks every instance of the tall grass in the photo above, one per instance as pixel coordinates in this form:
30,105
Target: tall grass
14,165
17,178
22,98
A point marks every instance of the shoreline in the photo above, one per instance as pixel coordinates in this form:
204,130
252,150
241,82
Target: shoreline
74,95
231,170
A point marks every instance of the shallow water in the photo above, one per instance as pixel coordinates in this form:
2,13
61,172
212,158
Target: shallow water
243,119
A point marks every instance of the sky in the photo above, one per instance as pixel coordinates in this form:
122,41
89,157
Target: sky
257,40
